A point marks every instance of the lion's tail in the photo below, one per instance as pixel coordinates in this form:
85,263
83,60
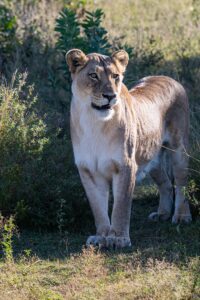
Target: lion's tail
168,166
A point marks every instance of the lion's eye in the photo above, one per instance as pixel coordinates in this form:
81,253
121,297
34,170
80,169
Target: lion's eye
93,75
115,76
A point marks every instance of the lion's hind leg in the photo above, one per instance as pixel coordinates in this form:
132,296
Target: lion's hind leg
171,178
165,186
180,171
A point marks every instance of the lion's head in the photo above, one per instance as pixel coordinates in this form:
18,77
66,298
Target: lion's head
97,79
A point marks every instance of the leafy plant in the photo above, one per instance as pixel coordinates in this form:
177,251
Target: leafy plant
96,36
68,27
22,138
192,193
84,32
7,231
88,34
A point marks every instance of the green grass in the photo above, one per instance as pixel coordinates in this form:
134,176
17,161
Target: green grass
163,262
170,23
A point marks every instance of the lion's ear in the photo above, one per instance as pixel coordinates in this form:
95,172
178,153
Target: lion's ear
121,57
75,59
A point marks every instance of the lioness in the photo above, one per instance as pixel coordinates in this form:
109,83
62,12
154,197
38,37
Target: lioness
119,135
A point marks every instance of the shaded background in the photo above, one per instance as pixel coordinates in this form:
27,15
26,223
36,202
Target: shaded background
38,181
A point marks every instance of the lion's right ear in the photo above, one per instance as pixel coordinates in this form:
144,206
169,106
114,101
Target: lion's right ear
75,59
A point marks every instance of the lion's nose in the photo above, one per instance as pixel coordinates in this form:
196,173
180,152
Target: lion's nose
109,97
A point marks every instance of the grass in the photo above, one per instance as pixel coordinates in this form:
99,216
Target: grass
93,275
163,263
169,23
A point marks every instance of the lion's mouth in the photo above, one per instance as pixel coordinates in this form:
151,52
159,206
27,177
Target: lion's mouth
102,107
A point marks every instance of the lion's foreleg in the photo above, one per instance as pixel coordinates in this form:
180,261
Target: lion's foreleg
123,185
97,190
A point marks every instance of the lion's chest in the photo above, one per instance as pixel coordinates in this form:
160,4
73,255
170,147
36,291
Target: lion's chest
96,151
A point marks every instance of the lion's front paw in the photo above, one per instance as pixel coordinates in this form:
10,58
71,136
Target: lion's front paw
96,240
155,217
117,242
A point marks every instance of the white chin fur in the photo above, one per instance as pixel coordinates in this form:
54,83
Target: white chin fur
104,115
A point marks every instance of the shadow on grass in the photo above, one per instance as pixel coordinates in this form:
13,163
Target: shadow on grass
161,240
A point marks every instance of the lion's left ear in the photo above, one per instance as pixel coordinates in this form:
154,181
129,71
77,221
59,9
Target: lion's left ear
121,57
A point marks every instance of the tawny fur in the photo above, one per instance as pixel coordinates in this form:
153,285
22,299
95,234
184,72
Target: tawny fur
124,142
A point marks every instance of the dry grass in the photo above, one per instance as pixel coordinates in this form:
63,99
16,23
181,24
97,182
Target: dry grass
94,275
38,19
164,263
169,23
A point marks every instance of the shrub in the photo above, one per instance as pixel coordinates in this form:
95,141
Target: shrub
22,137
7,231
36,173
84,32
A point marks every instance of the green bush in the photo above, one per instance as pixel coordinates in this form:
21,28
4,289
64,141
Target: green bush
85,32
37,179
22,138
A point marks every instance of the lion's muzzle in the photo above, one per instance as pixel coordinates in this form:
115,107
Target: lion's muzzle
105,103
